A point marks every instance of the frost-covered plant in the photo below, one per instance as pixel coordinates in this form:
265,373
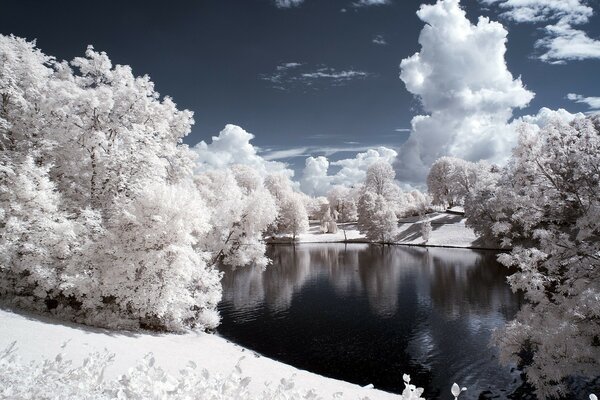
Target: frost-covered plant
457,390
410,392
546,206
376,218
293,216
426,229
60,378
98,216
241,211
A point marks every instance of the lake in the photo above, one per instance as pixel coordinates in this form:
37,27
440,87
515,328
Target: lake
367,314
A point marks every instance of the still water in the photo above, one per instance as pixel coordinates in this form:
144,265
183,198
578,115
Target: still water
367,314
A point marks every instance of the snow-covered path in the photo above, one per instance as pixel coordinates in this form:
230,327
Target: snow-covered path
40,337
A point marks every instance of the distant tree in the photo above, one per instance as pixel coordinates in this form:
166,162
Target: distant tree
343,203
546,206
376,218
449,180
380,179
246,177
425,229
293,218
240,215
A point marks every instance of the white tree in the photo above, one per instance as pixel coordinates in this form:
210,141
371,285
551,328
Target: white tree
92,176
450,179
239,216
342,200
376,218
380,179
293,218
546,206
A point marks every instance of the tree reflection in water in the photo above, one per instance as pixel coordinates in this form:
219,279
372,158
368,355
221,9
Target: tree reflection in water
367,314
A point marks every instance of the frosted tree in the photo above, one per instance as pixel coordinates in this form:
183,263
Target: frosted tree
98,214
145,265
546,206
376,218
425,229
36,238
450,179
343,202
293,218
240,214
380,179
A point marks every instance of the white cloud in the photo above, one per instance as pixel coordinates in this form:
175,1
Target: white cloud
233,146
330,73
291,75
327,151
285,153
462,81
288,65
592,102
288,3
546,115
368,3
316,180
380,40
561,41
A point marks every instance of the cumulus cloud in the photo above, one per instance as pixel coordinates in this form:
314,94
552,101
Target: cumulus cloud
379,40
593,103
462,81
288,3
324,150
294,75
546,115
233,146
316,180
561,41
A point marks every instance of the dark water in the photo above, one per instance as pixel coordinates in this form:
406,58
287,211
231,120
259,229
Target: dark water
367,314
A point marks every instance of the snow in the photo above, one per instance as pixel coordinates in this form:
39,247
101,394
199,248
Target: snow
448,230
39,337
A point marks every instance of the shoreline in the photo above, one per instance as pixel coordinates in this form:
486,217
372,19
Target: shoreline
40,336
448,231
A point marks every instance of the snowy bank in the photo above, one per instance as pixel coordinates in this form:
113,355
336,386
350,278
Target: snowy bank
39,337
448,230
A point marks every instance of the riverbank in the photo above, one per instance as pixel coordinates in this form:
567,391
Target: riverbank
41,337
448,229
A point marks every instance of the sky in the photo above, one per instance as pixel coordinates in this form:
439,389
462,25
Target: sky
323,77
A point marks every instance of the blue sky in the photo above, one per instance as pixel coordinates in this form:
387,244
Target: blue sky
314,77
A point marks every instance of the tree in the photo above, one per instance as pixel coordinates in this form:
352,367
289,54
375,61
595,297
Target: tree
380,178
99,219
240,214
546,206
376,218
342,201
450,179
293,218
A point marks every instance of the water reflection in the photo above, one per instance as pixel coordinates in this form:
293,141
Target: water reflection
367,313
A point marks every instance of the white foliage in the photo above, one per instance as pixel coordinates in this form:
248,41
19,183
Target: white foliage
376,218
60,378
545,205
241,211
99,220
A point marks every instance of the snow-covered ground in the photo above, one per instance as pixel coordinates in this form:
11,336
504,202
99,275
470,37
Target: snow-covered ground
448,230
39,337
